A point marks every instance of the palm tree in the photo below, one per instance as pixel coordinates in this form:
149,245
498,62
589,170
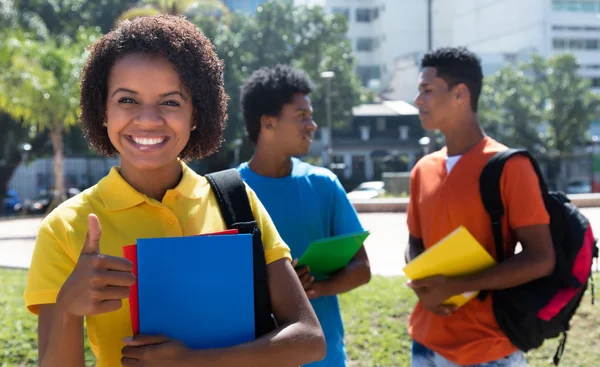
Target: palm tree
39,85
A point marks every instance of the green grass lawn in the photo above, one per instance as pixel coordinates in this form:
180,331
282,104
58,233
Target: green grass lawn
375,317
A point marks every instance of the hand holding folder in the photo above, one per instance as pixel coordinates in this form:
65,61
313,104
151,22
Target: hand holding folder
130,253
330,254
457,254
196,289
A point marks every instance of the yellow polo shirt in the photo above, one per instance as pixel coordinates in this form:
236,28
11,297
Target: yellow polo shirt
125,215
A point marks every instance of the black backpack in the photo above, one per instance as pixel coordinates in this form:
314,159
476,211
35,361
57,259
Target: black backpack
230,192
541,309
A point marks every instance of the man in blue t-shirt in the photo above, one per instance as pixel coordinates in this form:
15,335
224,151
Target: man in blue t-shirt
306,203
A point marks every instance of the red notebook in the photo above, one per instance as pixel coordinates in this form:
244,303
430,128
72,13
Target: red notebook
130,253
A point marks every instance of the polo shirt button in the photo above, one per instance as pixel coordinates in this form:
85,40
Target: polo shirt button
171,221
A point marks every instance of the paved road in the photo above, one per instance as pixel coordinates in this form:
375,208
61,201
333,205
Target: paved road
385,246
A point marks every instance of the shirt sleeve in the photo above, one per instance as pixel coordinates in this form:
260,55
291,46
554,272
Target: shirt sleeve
51,264
412,212
521,194
345,219
273,244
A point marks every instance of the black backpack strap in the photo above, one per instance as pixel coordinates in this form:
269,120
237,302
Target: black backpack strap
230,191
489,188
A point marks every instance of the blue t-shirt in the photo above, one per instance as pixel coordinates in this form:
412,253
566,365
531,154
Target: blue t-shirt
305,206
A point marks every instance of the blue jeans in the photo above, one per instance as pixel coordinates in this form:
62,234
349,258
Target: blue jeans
422,356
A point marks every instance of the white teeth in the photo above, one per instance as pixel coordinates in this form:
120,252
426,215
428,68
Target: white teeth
147,141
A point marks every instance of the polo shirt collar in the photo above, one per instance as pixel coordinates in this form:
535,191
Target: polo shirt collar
191,184
117,194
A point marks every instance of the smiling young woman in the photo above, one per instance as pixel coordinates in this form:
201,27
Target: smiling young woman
151,92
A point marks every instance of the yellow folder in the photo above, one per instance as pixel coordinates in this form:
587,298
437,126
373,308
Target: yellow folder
459,253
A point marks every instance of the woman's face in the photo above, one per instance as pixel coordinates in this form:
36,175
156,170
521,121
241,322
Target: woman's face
148,112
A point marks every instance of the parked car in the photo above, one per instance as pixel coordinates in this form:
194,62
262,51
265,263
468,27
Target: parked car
40,204
367,190
11,204
579,187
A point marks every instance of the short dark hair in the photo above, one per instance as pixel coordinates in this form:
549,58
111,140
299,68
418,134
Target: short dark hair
267,90
457,65
192,56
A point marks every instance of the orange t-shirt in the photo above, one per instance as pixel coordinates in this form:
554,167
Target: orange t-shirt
439,203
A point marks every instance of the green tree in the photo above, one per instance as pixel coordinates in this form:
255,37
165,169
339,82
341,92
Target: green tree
311,39
279,33
39,85
543,105
65,17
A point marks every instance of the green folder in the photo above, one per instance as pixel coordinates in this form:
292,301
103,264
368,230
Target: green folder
327,255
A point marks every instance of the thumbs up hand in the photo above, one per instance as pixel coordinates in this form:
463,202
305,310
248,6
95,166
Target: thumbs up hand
98,282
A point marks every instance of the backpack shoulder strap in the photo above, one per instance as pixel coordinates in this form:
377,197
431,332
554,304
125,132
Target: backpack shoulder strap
489,187
230,191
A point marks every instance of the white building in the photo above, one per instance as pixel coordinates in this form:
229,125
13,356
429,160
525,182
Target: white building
383,30
547,26
403,81
506,31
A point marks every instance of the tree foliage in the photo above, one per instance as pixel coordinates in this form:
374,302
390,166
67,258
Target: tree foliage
39,86
543,105
279,33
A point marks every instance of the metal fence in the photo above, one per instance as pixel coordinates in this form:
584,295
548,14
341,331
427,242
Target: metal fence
29,179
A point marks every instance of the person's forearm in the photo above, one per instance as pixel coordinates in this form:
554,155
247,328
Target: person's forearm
64,346
519,269
291,345
355,274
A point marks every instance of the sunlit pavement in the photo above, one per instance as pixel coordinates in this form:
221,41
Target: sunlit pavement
385,246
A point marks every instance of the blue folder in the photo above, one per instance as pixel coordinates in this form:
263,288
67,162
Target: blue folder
198,290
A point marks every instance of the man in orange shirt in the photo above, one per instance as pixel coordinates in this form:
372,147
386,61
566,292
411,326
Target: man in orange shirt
444,195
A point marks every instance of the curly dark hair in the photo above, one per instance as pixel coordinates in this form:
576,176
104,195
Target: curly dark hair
457,65
194,59
267,90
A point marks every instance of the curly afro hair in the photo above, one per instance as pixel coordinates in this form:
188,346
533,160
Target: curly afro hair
457,65
192,56
267,90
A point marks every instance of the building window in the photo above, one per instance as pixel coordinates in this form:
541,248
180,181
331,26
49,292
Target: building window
584,6
343,11
366,15
591,44
366,44
595,82
403,132
576,44
380,122
558,5
575,28
588,6
368,72
365,133
559,43
363,15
